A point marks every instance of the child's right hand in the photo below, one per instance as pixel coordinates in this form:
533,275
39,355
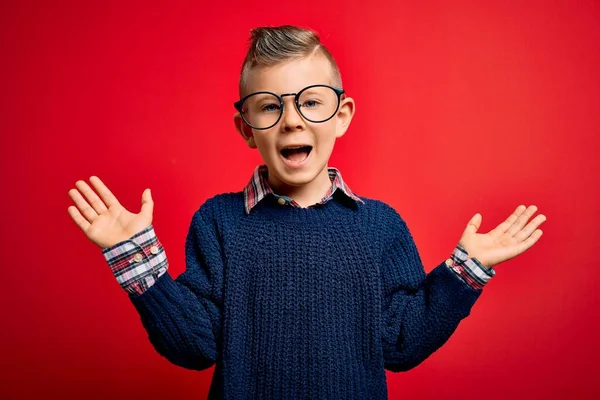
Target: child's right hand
105,221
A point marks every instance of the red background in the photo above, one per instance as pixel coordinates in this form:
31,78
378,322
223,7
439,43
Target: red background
461,108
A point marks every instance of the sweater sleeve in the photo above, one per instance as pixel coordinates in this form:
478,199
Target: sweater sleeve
420,311
182,316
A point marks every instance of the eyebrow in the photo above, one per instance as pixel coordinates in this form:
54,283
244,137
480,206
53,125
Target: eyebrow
292,93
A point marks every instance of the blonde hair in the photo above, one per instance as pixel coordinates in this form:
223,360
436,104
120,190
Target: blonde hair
272,45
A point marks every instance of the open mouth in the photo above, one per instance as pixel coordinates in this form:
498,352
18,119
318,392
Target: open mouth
296,154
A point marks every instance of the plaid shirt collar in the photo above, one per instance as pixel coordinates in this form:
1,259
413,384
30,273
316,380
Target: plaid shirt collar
258,188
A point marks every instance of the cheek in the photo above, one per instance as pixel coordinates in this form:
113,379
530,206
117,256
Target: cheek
264,144
326,136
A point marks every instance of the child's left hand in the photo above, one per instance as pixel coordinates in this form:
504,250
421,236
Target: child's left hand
507,240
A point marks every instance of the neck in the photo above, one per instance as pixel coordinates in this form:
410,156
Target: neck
307,194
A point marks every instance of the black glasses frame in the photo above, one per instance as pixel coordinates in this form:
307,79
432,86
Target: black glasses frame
240,103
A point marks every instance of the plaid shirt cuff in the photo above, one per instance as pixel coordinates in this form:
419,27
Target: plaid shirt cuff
470,270
137,262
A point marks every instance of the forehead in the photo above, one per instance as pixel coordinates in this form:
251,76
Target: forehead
291,76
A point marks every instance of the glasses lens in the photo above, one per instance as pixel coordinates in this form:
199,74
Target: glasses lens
262,110
318,103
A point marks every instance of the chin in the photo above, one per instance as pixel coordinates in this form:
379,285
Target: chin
297,178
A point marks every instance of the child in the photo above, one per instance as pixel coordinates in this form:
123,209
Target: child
295,287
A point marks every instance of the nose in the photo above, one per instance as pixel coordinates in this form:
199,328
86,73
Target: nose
291,119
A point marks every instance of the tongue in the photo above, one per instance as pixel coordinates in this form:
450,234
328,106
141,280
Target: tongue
297,155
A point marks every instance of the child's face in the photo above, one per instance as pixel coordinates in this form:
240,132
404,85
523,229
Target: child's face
292,129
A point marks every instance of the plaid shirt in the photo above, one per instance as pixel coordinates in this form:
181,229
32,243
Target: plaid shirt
258,188
139,261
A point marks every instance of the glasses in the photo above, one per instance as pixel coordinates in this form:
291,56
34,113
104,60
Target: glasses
316,103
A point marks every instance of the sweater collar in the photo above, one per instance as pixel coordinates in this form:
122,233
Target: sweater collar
258,188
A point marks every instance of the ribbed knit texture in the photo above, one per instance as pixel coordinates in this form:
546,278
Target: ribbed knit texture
302,303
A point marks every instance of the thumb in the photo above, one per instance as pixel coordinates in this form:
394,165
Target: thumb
147,203
474,224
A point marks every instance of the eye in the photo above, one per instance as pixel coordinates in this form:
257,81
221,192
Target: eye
310,103
270,107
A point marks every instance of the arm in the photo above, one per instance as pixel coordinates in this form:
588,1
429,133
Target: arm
420,312
182,315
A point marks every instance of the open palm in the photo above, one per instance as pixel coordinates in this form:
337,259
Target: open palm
102,218
509,239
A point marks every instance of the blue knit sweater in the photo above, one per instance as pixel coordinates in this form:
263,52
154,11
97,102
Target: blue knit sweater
301,303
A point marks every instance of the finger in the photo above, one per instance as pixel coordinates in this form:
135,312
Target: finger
91,196
521,220
147,203
530,241
504,226
473,224
530,228
78,218
88,212
106,195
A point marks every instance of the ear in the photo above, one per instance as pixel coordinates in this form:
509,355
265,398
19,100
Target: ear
244,130
344,115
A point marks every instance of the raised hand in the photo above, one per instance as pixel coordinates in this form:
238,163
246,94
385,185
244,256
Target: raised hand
103,219
509,239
